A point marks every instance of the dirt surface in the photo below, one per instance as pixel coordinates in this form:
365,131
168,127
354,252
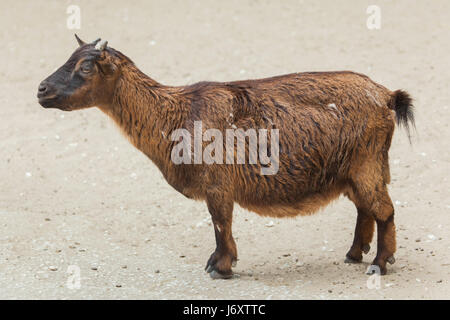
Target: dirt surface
75,195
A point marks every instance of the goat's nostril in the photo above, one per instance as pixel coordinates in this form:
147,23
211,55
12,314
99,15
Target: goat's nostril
42,88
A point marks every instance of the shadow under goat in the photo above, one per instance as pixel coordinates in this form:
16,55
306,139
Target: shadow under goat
334,130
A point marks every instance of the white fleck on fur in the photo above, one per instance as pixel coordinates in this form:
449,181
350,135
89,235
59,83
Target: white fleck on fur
218,228
333,106
369,94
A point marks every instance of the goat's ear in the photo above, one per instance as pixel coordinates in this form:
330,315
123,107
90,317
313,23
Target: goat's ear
80,42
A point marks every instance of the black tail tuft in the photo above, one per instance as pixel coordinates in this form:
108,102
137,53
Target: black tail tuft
404,110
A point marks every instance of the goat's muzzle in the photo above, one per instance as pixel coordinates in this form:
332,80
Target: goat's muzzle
46,95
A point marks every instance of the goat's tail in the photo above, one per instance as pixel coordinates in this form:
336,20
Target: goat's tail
401,103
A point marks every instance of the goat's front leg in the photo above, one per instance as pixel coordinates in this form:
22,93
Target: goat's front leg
220,207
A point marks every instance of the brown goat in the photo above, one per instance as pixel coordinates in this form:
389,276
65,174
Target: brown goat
335,130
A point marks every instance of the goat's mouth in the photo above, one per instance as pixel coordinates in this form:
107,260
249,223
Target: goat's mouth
53,102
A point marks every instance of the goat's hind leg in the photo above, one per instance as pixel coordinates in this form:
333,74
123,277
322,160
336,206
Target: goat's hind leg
386,243
371,196
364,229
225,256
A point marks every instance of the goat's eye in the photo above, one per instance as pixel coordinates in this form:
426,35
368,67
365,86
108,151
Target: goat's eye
86,67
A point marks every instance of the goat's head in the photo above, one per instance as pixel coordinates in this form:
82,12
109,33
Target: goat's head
87,79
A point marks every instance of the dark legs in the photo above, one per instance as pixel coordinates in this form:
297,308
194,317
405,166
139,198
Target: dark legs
222,259
369,193
363,236
386,244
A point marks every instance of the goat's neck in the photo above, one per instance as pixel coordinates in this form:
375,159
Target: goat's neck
147,112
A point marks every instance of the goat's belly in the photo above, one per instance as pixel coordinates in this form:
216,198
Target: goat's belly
307,205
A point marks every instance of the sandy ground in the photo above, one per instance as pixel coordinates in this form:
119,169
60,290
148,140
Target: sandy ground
74,194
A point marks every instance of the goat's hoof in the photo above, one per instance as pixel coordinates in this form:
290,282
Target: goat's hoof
351,260
366,248
214,274
391,260
219,265
234,263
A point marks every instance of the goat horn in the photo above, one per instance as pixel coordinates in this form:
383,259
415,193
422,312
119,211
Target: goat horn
96,41
80,42
101,45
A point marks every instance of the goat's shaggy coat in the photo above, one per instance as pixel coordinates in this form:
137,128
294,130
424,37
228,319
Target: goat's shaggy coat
335,130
